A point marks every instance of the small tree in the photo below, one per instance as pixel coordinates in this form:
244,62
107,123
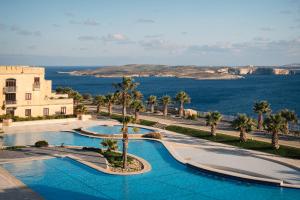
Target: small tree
244,124
137,95
110,100
81,109
137,106
261,108
182,97
212,120
100,102
152,101
289,117
275,124
110,144
166,100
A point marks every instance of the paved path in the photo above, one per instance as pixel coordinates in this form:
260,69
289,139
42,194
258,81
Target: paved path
288,141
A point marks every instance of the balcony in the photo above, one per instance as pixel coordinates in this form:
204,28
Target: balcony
36,86
10,89
10,102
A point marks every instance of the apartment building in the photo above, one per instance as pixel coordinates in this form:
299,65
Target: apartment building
25,93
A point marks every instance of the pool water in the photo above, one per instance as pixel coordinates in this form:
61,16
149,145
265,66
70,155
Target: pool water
116,129
66,179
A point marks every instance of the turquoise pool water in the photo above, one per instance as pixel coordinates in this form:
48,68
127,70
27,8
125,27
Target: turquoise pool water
117,129
66,179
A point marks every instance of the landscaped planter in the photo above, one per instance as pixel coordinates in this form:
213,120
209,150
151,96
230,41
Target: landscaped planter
84,117
7,122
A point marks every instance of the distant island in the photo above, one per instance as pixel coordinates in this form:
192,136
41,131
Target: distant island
191,71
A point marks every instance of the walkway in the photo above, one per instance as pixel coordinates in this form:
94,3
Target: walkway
284,140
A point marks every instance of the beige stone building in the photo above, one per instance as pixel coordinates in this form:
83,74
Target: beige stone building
25,92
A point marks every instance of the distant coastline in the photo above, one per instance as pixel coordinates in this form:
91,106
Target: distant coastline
192,72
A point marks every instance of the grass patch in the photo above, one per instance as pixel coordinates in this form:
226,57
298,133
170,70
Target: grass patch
14,148
146,122
283,151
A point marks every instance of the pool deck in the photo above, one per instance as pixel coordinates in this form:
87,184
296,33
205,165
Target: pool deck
193,150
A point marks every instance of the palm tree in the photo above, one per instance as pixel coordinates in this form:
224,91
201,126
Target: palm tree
152,101
166,100
275,124
289,116
110,100
126,121
212,120
137,95
124,91
244,124
182,97
261,108
137,106
99,100
77,97
81,109
111,144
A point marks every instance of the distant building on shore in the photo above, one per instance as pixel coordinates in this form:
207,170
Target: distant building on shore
25,93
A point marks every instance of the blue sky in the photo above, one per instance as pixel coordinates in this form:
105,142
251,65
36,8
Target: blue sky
175,32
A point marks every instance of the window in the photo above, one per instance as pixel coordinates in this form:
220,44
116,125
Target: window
27,112
36,80
10,97
27,96
46,111
63,110
10,82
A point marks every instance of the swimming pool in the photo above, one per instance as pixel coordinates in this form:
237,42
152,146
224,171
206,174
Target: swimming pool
168,178
117,129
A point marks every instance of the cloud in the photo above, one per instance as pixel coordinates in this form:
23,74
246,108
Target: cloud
88,22
91,22
114,37
69,14
154,36
24,32
258,45
161,45
56,25
2,26
261,39
285,12
145,21
267,29
88,38
184,33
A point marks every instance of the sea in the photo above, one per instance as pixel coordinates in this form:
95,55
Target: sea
226,96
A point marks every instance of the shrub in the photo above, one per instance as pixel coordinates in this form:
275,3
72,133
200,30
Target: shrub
41,143
155,135
147,122
192,117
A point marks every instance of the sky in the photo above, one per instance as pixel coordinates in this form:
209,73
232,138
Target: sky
172,32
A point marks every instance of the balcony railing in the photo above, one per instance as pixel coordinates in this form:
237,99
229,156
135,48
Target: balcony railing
10,102
10,89
36,86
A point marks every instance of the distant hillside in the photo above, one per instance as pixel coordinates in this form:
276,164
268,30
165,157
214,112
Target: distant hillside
186,71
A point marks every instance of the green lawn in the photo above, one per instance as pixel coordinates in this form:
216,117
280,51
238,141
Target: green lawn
284,151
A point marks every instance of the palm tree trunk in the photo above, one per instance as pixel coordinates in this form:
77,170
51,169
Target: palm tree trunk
286,128
125,145
260,121
109,109
181,109
213,130
165,110
98,108
243,136
124,105
275,139
152,108
137,116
